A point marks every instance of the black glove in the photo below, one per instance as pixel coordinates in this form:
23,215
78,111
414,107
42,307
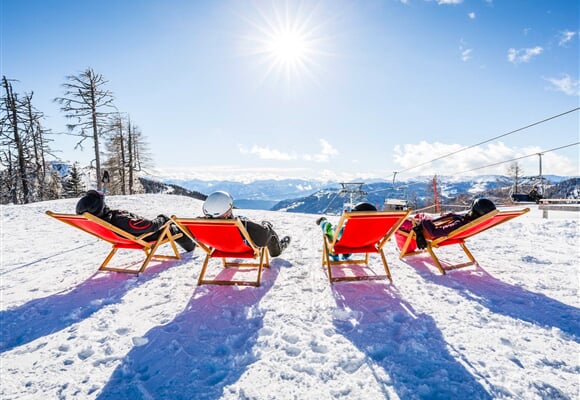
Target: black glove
319,220
419,237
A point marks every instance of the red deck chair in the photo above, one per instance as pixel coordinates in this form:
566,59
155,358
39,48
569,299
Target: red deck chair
363,232
225,239
408,246
120,239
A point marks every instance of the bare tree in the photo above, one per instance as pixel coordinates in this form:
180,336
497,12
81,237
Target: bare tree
85,102
115,155
11,130
139,157
516,173
131,156
127,155
23,148
8,177
37,146
54,187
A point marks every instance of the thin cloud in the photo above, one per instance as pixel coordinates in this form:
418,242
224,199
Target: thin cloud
441,2
466,54
326,153
566,36
471,15
565,84
523,55
266,153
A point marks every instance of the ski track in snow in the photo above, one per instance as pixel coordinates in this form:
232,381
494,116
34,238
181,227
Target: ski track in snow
507,330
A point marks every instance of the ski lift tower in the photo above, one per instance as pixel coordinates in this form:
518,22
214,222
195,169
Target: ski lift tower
541,177
353,190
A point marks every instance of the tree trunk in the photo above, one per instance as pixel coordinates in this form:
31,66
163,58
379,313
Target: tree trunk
13,117
95,132
122,159
37,149
130,163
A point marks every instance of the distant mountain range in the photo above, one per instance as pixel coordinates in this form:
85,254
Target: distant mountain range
260,194
305,196
314,196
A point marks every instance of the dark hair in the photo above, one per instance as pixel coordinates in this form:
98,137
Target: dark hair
364,206
480,207
92,202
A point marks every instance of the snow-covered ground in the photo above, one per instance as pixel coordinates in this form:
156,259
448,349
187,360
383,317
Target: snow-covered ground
507,330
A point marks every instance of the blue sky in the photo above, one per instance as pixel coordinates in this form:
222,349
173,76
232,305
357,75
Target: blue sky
318,89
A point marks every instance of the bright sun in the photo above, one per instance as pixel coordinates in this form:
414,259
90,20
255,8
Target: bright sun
287,40
288,47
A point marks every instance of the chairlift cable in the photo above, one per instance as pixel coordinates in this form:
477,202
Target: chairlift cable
518,158
492,139
330,202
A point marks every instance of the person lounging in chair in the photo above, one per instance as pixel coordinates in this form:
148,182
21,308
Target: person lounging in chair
220,205
93,202
425,227
328,229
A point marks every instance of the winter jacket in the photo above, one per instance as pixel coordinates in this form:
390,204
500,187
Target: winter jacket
135,224
443,225
263,235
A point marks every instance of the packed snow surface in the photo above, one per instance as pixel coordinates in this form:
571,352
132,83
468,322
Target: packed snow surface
508,329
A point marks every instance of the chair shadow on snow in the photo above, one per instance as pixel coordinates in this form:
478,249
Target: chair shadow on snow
407,348
45,316
205,348
507,299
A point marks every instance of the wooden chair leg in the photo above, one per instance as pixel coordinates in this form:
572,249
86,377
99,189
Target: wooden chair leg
326,259
387,270
444,270
468,253
260,268
436,260
147,259
200,279
107,259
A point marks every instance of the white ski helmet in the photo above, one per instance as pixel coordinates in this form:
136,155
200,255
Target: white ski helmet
217,204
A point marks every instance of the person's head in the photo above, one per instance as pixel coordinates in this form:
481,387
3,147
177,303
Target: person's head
364,206
218,205
480,207
92,202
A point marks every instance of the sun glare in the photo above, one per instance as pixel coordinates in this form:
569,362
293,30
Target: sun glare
288,47
287,40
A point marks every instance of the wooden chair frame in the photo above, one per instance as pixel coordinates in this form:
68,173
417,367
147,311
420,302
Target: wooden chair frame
347,243
458,236
246,248
120,239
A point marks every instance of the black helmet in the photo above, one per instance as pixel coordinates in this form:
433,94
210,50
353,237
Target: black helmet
481,207
92,202
364,206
